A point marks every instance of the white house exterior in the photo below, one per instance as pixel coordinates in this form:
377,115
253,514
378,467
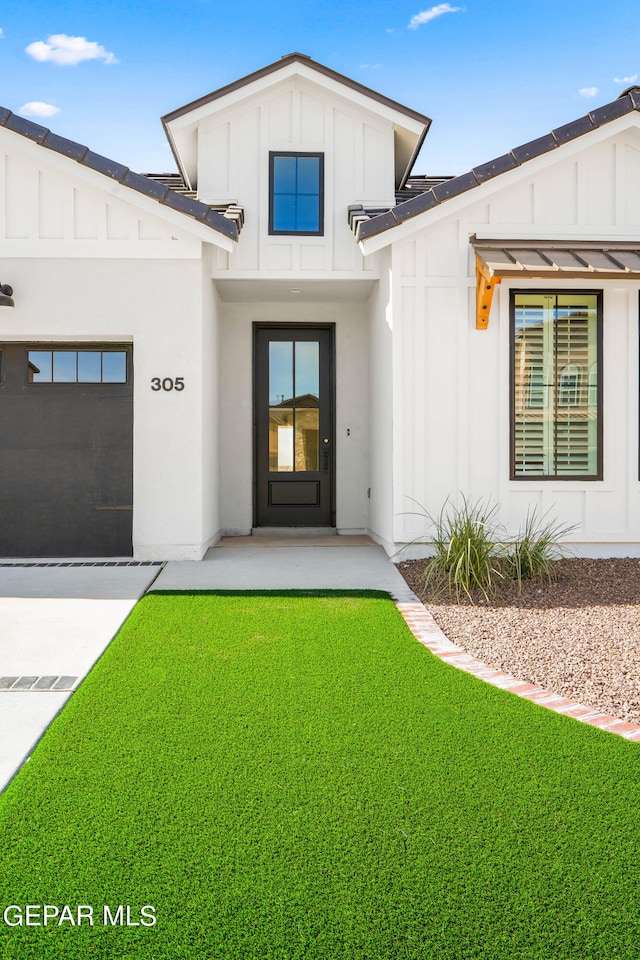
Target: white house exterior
293,333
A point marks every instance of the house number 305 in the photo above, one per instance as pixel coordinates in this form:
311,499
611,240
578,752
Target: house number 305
168,383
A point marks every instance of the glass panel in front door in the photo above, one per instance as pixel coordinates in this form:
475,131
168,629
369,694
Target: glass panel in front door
294,397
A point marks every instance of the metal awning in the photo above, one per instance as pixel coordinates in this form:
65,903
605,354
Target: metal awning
543,258
549,259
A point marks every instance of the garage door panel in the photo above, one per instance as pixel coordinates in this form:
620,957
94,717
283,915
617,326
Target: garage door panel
66,460
73,531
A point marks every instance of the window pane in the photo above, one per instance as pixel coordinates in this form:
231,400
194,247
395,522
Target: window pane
284,174
307,369
284,213
64,366
295,194
308,175
555,385
531,393
307,215
280,372
281,440
114,367
576,420
39,366
89,366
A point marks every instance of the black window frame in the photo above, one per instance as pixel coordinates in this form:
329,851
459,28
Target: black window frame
273,154
545,477
50,347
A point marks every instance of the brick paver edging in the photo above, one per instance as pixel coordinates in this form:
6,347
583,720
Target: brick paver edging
428,633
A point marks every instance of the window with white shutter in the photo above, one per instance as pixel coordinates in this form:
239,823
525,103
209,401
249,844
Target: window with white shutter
556,385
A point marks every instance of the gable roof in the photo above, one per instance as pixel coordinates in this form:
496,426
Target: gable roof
154,189
180,126
627,102
281,64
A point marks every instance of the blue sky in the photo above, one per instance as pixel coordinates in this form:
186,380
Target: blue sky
490,73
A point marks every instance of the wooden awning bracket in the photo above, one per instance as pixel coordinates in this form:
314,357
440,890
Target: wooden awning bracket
485,285
559,259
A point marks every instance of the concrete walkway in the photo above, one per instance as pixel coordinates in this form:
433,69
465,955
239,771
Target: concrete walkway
55,622
287,563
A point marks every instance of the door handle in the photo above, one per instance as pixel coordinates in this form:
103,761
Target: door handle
325,453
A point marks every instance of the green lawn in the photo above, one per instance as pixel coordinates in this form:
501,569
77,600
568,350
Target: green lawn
293,776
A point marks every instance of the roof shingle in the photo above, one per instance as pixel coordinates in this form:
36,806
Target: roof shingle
628,101
152,188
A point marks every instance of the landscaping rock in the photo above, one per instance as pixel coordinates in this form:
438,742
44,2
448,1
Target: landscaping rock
578,635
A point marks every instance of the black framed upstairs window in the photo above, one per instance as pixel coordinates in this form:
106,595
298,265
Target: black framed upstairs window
296,194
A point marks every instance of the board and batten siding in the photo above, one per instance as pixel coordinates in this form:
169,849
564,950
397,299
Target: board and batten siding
381,407
233,166
47,201
452,395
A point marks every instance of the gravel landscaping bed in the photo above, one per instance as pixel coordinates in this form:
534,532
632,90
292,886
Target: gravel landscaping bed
578,635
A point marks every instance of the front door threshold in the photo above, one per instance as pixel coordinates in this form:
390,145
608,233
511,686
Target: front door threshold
294,532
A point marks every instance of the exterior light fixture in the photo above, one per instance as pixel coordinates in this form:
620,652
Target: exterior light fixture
6,295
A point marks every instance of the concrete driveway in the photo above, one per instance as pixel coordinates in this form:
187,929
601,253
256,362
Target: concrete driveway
55,622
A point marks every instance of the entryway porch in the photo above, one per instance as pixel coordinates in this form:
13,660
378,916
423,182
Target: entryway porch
279,561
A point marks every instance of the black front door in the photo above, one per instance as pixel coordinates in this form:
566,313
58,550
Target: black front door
294,425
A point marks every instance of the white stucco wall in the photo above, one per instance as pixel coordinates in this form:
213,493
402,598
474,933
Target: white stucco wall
93,261
352,412
210,494
62,301
451,412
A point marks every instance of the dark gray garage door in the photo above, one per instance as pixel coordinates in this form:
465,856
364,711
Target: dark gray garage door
66,450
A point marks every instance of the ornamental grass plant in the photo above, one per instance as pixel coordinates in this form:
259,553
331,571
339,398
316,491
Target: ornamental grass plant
473,553
468,552
533,554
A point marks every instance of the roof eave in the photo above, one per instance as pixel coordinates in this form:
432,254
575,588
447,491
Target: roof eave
370,231
181,124
117,173
414,156
176,155
279,65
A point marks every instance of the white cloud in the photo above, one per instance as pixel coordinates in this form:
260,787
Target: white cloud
370,66
588,91
626,79
68,51
37,108
426,15
1,33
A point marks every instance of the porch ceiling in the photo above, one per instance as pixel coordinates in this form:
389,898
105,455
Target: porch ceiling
290,291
